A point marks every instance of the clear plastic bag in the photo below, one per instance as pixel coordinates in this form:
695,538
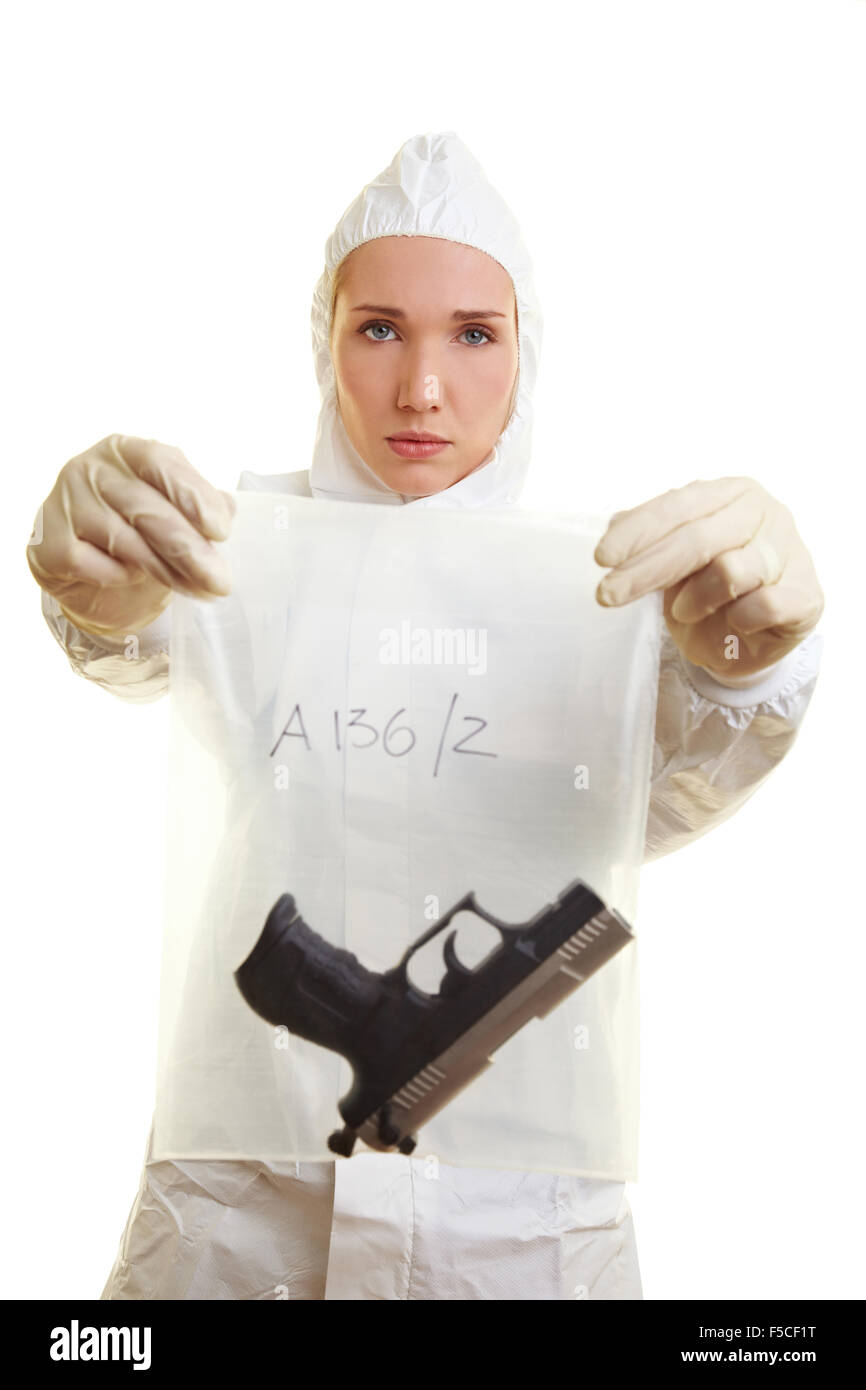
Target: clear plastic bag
392,708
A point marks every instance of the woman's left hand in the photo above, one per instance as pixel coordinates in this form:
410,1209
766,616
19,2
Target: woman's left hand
740,589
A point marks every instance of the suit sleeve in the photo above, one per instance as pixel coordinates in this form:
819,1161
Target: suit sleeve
715,744
137,672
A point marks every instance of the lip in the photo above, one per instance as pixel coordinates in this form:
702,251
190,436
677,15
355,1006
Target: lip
419,437
416,444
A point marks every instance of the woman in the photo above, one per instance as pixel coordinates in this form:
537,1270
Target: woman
425,322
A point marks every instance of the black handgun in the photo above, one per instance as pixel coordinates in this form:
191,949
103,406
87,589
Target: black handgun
412,1052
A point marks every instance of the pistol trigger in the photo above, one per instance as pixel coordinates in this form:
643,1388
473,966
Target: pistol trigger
451,958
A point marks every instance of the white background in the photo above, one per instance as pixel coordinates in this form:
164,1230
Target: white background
690,181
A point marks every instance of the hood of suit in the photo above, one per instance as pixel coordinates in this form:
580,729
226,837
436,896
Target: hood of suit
433,187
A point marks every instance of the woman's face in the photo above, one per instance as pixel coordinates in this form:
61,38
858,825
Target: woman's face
424,339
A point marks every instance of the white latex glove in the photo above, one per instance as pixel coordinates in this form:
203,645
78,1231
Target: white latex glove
740,588
126,522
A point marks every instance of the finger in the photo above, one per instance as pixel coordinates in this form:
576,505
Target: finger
59,557
79,560
157,536
89,564
110,535
685,551
631,532
784,605
730,576
168,470
74,560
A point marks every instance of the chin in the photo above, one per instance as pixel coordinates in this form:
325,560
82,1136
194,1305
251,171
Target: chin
417,480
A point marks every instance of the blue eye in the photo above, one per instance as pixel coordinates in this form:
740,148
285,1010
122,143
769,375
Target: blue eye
379,323
488,336
367,326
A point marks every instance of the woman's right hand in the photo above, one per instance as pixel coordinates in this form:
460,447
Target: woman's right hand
126,522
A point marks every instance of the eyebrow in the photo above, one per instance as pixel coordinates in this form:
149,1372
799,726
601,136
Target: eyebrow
459,315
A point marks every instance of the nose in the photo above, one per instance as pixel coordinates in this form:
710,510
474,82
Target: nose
421,382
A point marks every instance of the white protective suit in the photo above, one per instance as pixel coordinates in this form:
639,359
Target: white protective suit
385,1226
